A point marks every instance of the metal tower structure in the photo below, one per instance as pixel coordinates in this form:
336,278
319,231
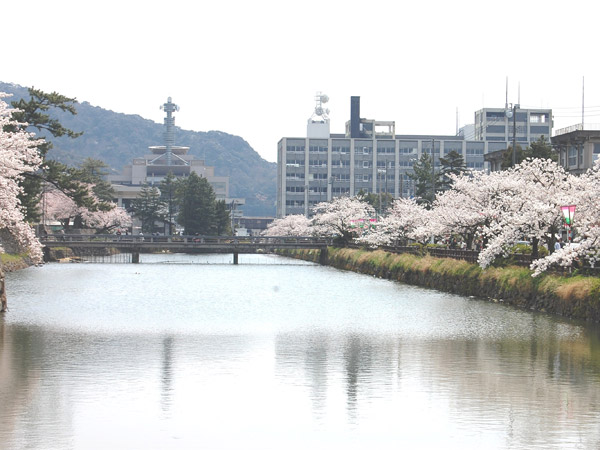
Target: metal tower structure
169,108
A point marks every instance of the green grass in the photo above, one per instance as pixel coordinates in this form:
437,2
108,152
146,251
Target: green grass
513,284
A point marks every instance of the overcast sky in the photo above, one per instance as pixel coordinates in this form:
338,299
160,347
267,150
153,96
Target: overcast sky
252,67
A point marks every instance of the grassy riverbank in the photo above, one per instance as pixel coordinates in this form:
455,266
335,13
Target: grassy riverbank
571,296
10,262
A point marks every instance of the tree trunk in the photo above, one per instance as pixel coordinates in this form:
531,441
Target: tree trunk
3,302
535,252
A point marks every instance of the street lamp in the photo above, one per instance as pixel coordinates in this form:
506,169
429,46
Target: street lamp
568,213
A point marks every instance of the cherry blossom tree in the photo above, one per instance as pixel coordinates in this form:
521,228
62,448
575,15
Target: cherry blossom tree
406,219
529,208
60,207
584,192
292,225
340,217
471,208
18,155
459,212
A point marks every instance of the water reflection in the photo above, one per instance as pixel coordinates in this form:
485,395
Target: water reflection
502,393
167,373
404,368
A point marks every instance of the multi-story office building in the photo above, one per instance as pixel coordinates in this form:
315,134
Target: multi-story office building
499,125
372,158
369,157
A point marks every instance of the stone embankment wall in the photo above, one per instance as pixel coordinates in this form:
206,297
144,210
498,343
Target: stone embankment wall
575,296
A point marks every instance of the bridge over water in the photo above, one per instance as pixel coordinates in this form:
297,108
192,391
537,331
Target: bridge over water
136,244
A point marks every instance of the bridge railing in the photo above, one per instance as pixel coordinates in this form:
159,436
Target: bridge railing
185,239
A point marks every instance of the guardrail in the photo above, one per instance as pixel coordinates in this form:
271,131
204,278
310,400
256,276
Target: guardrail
107,240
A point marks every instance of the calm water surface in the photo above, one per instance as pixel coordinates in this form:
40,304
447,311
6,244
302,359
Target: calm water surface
193,352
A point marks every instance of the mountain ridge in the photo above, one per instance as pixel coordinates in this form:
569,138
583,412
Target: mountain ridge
117,138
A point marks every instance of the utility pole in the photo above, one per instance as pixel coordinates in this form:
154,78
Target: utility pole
432,170
514,152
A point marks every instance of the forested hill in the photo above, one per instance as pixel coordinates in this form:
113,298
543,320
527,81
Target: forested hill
117,138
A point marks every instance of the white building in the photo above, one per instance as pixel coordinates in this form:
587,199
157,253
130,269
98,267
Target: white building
370,156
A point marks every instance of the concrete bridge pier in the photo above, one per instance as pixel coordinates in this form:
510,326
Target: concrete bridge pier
235,257
135,257
324,256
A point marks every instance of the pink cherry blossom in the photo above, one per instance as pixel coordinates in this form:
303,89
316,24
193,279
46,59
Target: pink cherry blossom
18,155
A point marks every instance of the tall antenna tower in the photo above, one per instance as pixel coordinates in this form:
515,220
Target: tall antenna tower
169,108
583,103
457,120
506,101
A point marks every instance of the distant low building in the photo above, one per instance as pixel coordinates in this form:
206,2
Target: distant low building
254,225
578,147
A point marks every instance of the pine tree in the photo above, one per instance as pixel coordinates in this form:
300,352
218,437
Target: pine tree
222,218
196,202
148,208
168,187
452,164
541,149
426,182
34,114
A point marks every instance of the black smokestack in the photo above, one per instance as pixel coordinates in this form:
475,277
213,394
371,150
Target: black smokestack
354,117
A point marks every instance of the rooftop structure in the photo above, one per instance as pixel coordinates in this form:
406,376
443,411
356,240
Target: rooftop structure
578,146
154,166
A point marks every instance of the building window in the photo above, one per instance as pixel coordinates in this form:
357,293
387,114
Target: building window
496,129
572,156
538,118
474,151
295,148
475,165
342,150
596,153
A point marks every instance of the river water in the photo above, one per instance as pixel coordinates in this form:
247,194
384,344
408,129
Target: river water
187,351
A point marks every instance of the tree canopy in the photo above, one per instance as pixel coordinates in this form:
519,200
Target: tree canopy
452,164
426,181
35,114
196,203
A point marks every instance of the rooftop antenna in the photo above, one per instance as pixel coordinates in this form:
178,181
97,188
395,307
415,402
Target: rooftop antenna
457,120
506,101
169,108
320,113
519,94
582,102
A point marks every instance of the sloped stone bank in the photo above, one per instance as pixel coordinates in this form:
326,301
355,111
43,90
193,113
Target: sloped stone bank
576,297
